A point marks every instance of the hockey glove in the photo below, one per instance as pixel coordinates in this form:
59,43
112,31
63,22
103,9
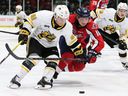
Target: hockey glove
92,56
23,36
18,24
122,45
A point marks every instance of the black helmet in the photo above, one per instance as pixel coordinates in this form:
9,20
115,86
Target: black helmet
83,12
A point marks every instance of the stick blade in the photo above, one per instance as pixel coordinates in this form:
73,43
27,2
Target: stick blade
10,51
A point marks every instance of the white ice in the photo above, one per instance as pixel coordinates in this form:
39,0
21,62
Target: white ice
106,77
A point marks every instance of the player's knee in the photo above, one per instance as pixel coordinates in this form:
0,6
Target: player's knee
52,65
28,64
123,55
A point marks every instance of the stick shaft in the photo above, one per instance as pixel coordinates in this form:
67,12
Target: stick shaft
32,58
9,53
1,31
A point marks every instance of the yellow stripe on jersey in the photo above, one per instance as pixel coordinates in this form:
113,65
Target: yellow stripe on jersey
29,21
33,16
126,33
75,46
73,40
24,32
78,50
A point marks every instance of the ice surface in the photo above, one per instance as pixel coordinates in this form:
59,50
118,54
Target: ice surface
106,77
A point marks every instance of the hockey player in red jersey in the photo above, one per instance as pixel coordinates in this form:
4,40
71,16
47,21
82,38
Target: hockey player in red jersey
97,7
85,29
94,4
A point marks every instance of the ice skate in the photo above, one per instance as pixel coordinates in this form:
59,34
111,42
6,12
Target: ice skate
44,84
125,65
14,84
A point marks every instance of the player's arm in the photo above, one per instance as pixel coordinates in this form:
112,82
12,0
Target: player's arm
73,43
18,21
26,30
95,36
124,33
75,46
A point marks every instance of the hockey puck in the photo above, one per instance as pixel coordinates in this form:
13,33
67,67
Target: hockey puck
81,92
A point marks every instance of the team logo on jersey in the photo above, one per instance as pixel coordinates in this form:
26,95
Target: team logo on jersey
47,35
94,26
111,28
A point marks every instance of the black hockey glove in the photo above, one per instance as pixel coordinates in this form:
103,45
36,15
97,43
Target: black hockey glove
23,36
122,45
18,24
92,56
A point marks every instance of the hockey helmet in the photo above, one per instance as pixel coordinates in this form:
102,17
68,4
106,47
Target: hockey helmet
83,12
18,8
122,6
62,11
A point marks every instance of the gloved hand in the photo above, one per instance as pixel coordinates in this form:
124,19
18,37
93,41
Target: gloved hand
122,45
23,36
92,56
18,24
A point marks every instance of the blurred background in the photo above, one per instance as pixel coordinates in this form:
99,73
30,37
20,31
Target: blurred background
7,7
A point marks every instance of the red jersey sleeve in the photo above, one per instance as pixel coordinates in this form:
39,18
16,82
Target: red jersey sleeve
93,4
95,36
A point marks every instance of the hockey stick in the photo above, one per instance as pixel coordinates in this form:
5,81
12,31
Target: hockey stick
112,40
17,33
23,58
9,53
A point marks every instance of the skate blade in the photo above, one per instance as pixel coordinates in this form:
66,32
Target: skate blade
39,87
13,86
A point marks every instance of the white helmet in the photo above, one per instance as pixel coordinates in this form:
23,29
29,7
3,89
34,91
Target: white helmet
62,11
122,6
18,8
